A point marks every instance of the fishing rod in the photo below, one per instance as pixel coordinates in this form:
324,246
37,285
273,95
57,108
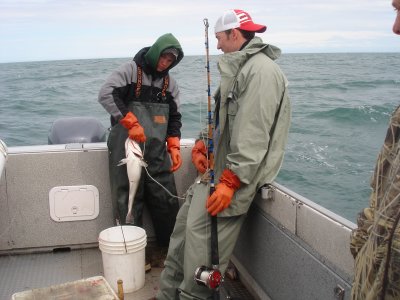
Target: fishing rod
210,277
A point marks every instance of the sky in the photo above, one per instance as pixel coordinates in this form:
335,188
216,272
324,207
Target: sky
37,30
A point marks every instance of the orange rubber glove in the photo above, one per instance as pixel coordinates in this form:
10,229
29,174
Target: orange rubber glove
135,130
174,149
199,156
224,190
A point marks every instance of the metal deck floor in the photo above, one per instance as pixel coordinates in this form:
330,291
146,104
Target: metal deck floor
29,271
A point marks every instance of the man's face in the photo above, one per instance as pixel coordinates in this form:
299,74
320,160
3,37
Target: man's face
396,25
165,61
225,42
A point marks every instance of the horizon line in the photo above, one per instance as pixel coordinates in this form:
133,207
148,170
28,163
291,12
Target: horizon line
189,55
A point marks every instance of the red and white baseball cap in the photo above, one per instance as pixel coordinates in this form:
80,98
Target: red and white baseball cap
237,18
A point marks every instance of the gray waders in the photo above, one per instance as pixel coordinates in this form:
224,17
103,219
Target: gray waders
190,246
162,207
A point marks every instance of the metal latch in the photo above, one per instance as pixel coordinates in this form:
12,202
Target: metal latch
339,292
267,193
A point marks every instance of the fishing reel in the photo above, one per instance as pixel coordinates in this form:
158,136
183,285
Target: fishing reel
208,277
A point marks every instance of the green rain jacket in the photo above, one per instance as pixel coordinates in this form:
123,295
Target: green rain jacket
253,125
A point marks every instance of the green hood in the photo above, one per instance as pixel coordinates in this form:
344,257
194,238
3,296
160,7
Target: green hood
163,42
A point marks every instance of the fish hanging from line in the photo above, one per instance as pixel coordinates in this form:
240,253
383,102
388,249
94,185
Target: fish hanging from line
134,162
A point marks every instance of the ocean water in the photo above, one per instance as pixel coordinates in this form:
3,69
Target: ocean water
341,107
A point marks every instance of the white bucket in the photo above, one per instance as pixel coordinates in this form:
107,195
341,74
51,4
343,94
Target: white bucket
123,252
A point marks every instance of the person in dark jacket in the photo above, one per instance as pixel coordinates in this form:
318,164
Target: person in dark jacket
143,101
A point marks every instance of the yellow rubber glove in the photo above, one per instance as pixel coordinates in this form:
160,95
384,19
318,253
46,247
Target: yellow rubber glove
224,190
199,156
174,149
135,130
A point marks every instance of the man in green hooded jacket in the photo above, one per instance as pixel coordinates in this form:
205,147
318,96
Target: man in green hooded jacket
143,101
251,124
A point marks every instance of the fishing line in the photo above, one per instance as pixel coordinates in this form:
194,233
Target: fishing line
123,236
169,193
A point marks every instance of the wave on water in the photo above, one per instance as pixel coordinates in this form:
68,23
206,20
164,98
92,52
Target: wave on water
356,115
341,84
373,83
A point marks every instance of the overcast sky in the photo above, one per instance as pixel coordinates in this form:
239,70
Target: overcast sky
32,30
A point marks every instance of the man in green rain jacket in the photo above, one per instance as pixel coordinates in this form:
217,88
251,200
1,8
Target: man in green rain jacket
251,124
143,101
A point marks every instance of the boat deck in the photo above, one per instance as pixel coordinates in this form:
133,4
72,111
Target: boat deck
24,272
